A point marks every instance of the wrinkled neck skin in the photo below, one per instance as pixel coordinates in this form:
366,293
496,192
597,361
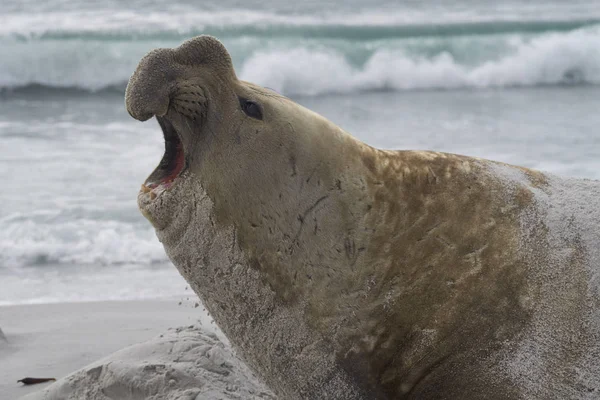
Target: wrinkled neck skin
263,239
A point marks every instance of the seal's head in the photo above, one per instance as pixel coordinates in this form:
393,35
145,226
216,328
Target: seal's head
186,88
222,135
201,108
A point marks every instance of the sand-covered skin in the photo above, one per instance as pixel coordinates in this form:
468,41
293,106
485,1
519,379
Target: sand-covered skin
184,363
561,227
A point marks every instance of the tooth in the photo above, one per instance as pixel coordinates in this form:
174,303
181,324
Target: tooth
145,189
152,195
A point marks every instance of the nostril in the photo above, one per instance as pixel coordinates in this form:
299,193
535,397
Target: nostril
188,98
150,86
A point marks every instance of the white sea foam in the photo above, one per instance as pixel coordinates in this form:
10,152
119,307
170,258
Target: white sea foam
295,67
572,57
77,241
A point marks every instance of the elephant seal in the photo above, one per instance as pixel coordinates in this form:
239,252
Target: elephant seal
340,271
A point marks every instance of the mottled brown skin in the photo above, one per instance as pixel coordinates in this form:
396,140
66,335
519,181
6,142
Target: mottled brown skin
432,227
340,271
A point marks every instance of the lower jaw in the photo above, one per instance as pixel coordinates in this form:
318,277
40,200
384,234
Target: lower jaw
154,202
154,190
167,209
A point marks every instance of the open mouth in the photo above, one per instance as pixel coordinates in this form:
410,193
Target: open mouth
171,165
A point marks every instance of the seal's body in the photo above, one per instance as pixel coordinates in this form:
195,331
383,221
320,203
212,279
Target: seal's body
340,271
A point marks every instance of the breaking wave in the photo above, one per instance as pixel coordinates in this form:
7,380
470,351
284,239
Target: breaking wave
552,59
305,55
29,242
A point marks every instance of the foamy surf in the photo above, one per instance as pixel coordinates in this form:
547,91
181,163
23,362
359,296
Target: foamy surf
551,59
307,55
82,241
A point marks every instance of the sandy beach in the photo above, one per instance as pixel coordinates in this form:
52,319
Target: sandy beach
53,340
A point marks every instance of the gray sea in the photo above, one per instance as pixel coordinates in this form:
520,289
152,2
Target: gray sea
512,81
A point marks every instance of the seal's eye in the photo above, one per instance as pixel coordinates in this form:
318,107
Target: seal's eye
251,109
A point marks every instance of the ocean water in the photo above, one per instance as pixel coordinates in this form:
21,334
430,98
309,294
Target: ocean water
508,81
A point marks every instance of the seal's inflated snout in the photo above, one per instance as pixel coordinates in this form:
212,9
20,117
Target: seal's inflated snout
149,89
162,72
